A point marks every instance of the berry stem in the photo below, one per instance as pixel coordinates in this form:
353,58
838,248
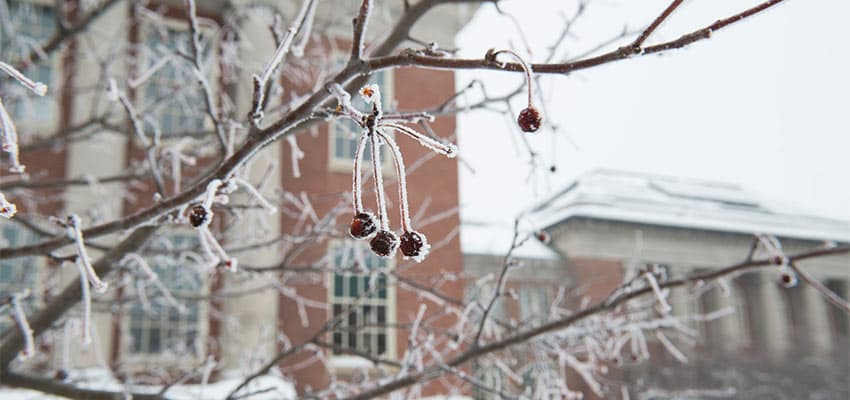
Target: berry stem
356,189
525,67
402,181
379,180
449,151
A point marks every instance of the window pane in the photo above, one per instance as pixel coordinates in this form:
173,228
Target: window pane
346,133
165,328
357,330
172,95
31,24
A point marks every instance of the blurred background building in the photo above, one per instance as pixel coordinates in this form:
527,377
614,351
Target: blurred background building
760,339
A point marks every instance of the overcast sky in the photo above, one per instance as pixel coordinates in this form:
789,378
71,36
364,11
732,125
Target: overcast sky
764,104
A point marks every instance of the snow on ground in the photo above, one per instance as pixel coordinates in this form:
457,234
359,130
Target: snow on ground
266,388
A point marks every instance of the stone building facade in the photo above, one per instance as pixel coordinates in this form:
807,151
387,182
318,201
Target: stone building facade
772,342
239,331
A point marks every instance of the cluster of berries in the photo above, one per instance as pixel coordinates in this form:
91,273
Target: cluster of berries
366,225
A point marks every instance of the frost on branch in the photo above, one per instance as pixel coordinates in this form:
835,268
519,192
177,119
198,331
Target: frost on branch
7,209
7,128
73,231
23,324
38,88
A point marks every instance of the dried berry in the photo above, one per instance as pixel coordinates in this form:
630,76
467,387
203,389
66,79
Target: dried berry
61,375
384,243
529,119
362,226
543,237
788,279
414,245
198,216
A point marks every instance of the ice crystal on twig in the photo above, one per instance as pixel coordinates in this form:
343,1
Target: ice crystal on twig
36,87
7,209
9,134
73,231
23,324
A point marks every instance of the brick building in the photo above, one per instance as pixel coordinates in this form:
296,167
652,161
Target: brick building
150,343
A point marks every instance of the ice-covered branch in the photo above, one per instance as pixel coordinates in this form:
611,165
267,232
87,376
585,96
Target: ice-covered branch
360,22
305,18
23,324
87,270
7,209
36,87
9,134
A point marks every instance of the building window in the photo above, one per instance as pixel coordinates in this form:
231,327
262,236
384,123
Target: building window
16,275
165,323
30,26
344,134
174,101
533,304
362,301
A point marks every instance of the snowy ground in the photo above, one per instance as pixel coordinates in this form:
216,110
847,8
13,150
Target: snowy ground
266,388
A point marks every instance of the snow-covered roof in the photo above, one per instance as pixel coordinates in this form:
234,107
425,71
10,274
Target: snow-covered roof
677,202
495,239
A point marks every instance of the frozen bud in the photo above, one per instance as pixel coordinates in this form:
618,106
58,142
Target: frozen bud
788,279
384,243
529,119
369,92
414,245
7,210
363,226
778,260
543,237
199,216
61,375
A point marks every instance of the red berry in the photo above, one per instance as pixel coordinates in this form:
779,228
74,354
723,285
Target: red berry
529,119
543,237
415,245
198,216
384,243
788,279
362,226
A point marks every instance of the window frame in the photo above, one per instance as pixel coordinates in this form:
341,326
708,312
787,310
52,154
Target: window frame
337,164
142,361
50,122
27,265
390,305
175,24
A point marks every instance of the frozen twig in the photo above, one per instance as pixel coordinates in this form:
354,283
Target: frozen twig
9,135
828,294
73,231
360,22
256,194
23,324
36,87
7,209
86,300
296,156
261,81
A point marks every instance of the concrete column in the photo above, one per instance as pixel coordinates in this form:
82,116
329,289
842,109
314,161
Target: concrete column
774,316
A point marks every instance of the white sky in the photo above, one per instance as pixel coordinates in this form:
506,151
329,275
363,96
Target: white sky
764,103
